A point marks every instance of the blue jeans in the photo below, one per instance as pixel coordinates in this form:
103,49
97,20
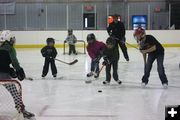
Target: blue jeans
94,66
160,68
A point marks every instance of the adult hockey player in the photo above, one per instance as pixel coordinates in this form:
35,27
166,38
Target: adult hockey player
94,49
148,44
49,52
111,57
116,29
7,58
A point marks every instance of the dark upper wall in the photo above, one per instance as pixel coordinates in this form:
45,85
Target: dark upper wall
56,16
85,0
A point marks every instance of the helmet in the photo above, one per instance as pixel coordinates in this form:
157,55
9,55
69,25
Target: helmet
91,37
139,33
50,40
110,41
6,35
70,30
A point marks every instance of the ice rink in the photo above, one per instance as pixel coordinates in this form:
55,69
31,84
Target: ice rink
70,98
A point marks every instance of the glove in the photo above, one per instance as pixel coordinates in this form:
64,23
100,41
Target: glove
106,62
65,41
20,74
110,34
44,54
98,57
96,60
142,45
74,41
12,73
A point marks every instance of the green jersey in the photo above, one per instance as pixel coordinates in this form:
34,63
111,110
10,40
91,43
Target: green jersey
7,57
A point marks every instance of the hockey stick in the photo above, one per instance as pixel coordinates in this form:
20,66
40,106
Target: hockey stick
127,43
101,68
70,63
94,73
132,46
144,55
144,58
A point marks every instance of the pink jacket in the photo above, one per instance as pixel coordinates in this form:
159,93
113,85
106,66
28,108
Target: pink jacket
94,49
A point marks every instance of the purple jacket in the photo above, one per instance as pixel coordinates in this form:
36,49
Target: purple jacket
94,49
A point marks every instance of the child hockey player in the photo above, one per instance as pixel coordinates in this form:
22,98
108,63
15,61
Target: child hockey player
49,52
149,45
71,40
94,49
7,57
111,57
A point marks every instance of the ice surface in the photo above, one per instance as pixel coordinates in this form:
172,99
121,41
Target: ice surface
70,98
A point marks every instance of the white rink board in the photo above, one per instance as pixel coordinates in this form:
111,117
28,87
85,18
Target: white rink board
39,37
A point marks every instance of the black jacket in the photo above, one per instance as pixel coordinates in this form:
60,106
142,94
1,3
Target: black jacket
111,54
49,52
116,30
150,41
7,57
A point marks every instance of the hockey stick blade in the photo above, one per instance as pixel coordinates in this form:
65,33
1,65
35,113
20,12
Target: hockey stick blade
75,61
71,63
132,45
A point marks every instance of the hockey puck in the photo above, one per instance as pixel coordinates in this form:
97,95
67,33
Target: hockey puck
29,78
88,81
99,90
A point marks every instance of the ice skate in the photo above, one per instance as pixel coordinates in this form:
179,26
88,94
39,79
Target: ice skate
119,82
28,115
165,85
54,76
90,74
43,76
143,85
127,59
106,82
96,75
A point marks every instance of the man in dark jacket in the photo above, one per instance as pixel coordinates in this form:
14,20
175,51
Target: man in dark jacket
116,29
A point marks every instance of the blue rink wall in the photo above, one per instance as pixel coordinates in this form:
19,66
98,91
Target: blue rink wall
37,39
